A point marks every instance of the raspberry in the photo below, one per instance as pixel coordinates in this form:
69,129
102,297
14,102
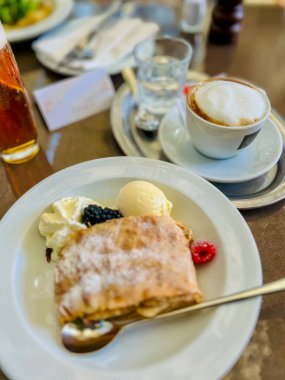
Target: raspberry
94,214
202,252
186,89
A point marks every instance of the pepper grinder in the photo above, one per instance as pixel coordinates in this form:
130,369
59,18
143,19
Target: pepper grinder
226,21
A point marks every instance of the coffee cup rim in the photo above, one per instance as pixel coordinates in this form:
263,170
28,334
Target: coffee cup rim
232,127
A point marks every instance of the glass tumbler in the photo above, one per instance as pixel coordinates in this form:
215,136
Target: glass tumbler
193,15
18,136
162,70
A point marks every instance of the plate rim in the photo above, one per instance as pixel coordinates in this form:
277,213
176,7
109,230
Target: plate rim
255,304
61,11
212,177
65,70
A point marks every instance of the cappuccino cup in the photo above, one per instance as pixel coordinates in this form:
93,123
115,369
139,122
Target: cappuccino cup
224,116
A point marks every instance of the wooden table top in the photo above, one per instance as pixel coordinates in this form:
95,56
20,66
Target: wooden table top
258,57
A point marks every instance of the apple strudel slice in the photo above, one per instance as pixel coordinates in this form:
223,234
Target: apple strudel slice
135,264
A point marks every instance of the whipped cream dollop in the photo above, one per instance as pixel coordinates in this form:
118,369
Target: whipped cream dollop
65,218
231,103
142,198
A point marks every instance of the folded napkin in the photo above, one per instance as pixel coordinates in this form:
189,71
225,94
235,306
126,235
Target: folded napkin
110,46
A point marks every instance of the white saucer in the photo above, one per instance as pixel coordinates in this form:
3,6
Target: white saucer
250,163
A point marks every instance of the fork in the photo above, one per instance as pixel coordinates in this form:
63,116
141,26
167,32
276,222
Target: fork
82,49
88,52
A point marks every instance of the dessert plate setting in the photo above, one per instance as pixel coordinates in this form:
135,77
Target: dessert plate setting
177,348
255,178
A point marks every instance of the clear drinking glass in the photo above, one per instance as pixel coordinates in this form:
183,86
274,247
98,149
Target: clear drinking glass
162,70
193,15
18,136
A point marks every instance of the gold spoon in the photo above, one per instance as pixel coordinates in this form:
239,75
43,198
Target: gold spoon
82,339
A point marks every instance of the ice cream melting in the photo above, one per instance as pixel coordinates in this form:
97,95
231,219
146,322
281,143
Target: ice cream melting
142,198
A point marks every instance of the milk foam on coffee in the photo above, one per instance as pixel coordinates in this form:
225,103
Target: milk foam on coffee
230,103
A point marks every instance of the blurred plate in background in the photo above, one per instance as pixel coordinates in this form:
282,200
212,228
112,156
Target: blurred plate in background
62,9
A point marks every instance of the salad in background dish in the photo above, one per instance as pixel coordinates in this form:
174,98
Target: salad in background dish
21,13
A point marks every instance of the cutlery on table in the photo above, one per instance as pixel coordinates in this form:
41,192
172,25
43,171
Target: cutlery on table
82,49
81,339
88,51
130,78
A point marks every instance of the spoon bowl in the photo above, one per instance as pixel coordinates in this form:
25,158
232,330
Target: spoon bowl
86,339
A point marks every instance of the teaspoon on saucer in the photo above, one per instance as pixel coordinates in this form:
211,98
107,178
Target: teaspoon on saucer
82,339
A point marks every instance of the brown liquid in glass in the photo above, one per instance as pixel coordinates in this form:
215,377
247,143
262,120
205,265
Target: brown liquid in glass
17,126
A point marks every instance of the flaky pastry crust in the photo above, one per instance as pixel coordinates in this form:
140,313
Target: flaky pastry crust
140,264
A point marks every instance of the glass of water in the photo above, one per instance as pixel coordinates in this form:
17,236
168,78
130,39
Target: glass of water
162,70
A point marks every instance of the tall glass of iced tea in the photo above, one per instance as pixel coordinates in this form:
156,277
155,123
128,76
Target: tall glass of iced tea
18,136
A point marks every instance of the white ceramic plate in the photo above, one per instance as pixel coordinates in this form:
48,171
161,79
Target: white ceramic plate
199,346
61,11
66,70
250,163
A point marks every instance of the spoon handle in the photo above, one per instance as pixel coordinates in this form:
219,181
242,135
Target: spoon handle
131,80
271,287
77,340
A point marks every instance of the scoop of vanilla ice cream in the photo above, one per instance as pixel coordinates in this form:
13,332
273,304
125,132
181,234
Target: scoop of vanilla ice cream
142,198
56,226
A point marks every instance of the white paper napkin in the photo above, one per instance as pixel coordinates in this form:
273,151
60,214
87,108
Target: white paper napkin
60,104
110,46
58,43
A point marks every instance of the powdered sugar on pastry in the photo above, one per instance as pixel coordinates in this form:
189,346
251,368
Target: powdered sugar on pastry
138,263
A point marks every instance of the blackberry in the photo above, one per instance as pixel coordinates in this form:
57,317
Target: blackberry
94,214
48,254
